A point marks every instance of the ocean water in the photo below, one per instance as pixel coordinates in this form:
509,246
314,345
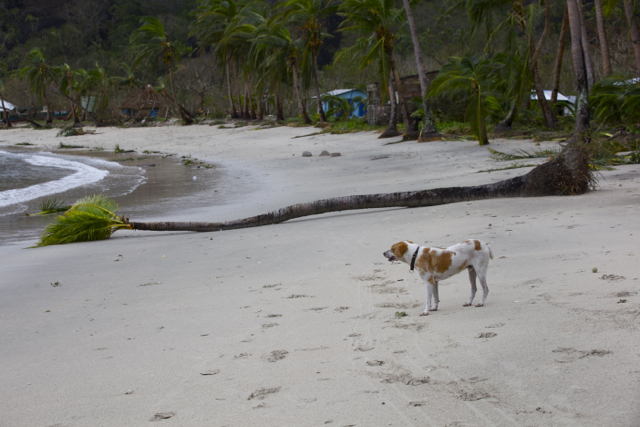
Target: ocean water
145,186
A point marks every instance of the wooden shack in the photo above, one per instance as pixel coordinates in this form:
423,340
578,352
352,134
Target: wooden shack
378,113
146,102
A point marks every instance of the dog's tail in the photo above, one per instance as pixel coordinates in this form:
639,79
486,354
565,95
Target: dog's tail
490,252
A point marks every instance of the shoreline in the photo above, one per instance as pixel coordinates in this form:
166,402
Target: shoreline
295,322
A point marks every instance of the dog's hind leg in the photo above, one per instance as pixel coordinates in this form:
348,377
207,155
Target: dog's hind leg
474,288
482,276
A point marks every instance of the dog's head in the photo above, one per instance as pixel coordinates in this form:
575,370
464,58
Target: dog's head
397,251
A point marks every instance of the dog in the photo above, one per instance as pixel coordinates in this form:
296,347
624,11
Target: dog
436,264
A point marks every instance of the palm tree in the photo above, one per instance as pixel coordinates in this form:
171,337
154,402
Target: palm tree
633,30
581,129
307,16
559,55
68,83
615,100
212,18
275,48
151,42
376,22
602,37
468,76
129,79
521,17
429,132
568,173
39,75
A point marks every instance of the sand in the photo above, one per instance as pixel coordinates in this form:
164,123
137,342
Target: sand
295,324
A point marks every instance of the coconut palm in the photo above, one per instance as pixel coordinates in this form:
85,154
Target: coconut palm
91,218
469,77
68,83
568,173
602,38
129,79
581,129
520,19
340,108
212,19
616,100
40,75
559,55
429,131
376,23
151,43
634,32
307,16
274,47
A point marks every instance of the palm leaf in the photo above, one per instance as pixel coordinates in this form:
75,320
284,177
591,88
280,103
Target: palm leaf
79,226
91,218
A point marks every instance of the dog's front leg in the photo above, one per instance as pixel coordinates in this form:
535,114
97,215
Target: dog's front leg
429,295
436,297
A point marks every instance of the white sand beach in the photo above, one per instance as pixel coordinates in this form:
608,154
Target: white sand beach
295,324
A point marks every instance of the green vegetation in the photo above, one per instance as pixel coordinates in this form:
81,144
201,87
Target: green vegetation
248,60
91,218
52,205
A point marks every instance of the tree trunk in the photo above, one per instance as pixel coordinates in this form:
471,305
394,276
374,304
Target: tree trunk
482,124
6,113
314,71
247,101
581,129
602,36
403,102
260,106
429,131
85,110
46,102
234,112
507,122
296,85
560,53
392,129
279,112
185,118
550,119
567,174
239,95
633,30
591,78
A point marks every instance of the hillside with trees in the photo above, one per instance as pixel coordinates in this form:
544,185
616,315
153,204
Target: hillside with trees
252,59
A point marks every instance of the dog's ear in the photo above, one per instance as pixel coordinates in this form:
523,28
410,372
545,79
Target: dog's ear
399,249
409,241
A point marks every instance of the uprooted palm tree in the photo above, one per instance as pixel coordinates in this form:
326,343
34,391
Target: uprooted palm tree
94,218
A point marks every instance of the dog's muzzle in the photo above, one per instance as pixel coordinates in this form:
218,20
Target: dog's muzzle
390,256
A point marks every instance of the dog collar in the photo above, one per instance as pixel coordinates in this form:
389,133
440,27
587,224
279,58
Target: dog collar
413,259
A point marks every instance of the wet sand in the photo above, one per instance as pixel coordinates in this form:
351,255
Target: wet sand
296,323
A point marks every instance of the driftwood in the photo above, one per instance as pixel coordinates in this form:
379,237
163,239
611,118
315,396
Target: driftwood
566,174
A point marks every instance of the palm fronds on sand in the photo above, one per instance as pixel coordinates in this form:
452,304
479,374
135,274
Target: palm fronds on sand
498,155
90,218
50,206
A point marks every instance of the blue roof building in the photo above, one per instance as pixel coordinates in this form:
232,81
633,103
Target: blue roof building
349,94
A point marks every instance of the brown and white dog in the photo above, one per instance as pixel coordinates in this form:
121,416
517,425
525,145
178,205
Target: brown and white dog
435,264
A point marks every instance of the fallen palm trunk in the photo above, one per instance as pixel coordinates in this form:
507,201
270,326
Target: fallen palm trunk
567,174
94,218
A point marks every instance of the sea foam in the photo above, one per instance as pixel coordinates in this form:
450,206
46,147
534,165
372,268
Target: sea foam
84,175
